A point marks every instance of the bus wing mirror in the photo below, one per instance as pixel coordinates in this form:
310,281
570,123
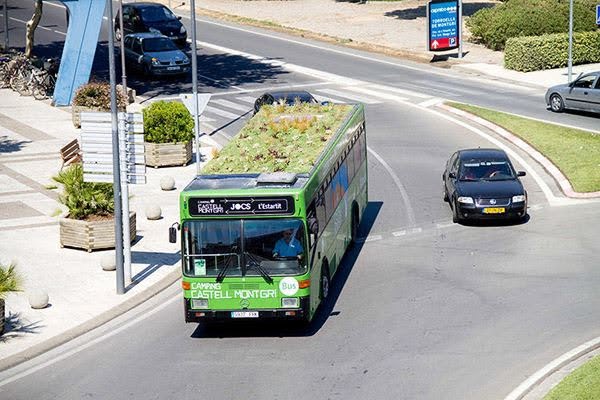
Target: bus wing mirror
173,233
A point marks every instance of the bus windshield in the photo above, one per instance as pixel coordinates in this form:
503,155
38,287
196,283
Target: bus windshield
250,247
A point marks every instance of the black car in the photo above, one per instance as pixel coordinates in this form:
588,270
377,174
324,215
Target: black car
154,54
286,96
482,183
151,17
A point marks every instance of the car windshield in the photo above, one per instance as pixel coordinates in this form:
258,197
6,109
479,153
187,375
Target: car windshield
296,98
252,247
157,14
156,45
488,170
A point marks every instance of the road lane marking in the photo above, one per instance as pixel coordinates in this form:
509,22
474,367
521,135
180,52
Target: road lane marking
405,199
431,102
221,113
396,90
230,104
375,93
350,96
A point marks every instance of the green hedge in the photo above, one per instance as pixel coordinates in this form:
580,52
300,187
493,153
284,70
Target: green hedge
514,18
533,53
168,122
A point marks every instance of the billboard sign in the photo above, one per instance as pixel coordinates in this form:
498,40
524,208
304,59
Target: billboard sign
443,19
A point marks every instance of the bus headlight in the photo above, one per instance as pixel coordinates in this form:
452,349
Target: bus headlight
290,302
199,304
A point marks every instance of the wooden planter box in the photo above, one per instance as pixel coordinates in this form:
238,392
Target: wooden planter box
1,316
168,154
92,235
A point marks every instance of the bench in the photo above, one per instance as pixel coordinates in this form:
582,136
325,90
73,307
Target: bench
70,153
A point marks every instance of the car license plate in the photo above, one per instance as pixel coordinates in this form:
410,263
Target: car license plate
173,68
244,314
494,210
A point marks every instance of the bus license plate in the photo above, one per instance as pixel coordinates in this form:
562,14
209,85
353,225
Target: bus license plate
496,210
244,314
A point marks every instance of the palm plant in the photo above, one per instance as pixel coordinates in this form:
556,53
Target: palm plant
84,198
10,281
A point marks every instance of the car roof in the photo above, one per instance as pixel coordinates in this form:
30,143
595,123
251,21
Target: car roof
489,154
146,35
145,4
290,94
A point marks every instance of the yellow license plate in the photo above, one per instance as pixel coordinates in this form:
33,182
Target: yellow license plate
494,210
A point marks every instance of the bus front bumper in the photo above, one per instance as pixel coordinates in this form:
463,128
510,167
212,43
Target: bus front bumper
291,314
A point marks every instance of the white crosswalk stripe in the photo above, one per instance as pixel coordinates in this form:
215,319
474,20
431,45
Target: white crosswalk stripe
321,99
247,99
350,96
231,104
410,93
377,93
221,113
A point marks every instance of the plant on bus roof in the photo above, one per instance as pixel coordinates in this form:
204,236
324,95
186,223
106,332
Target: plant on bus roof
280,138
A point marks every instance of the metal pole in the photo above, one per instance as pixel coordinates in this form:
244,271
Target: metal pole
6,46
123,127
123,135
460,24
122,44
195,85
570,40
116,155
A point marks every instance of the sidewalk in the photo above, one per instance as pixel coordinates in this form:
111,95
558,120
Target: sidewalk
81,293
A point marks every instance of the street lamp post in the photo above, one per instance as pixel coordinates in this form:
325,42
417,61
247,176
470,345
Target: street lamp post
570,62
6,25
122,44
195,85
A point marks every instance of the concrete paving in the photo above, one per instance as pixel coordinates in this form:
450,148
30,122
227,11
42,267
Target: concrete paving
81,294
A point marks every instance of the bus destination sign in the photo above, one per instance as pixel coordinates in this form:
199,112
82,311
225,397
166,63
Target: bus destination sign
241,206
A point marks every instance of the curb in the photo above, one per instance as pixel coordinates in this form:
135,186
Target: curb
563,182
530,383
90,324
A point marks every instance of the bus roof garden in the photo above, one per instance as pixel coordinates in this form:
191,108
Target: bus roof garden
281,138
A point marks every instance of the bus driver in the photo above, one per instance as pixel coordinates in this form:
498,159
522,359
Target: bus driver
288,246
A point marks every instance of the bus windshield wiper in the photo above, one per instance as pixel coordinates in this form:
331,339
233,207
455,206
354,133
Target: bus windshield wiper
223,272
254,263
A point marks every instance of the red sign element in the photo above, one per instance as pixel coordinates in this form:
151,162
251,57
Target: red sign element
442,43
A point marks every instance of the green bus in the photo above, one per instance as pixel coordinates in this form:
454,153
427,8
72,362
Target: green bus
267,244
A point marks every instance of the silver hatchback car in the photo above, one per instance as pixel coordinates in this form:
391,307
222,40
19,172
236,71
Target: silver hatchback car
581,94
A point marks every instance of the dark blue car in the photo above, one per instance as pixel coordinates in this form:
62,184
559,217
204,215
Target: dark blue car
483,184
151,17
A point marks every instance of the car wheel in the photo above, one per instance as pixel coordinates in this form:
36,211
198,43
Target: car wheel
446,199
556,103
146,70
117,34
456,218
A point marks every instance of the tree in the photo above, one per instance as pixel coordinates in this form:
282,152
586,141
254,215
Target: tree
31,27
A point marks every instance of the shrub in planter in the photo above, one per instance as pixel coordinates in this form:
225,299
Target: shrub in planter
90,223
168,131
10,281
95,96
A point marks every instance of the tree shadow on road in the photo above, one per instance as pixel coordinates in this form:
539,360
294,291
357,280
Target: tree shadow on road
325,311
421,11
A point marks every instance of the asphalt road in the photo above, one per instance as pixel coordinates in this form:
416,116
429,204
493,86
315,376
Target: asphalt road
424,309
